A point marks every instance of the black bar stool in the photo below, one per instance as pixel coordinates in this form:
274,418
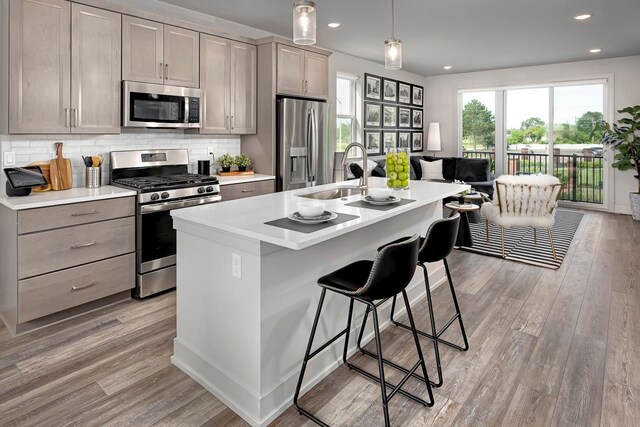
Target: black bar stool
436,246
365,282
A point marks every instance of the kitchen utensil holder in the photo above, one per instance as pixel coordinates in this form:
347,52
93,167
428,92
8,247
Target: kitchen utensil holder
93,177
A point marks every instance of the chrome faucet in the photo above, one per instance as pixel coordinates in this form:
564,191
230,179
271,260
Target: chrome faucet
363,184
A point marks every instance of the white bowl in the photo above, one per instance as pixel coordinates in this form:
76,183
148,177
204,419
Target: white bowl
311,209
379,193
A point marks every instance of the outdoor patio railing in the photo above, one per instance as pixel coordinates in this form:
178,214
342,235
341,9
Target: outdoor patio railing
581,176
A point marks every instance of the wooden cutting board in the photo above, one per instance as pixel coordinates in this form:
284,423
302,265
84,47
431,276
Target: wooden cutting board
45,167
61,177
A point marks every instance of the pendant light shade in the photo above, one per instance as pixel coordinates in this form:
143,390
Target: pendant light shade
393,46
304,22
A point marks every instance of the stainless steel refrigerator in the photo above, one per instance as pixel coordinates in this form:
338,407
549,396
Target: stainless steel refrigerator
304,152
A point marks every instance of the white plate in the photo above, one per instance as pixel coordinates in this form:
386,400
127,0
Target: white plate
390,201
326,216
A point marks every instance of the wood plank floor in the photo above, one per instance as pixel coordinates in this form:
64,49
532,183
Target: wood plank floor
548,347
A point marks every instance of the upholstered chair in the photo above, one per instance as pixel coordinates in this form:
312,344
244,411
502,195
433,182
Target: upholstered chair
523,201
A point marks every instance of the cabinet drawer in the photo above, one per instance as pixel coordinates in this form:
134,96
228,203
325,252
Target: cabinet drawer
48,251
42,219
249,189
54,292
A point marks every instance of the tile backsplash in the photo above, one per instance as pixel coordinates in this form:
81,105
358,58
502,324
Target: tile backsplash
36,148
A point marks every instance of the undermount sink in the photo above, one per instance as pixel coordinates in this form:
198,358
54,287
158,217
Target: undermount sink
334,193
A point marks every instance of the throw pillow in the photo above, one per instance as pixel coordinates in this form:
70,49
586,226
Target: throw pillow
431,170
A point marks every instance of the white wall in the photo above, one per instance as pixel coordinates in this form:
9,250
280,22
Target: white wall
441,101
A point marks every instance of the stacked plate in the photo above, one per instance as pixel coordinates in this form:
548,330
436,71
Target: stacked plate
381,202
323,217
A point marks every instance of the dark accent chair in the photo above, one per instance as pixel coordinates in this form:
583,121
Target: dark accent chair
475,172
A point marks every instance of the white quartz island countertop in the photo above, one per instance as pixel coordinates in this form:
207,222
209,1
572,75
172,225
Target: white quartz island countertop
64,197
247,217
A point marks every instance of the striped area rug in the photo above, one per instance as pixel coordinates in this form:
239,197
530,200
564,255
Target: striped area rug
519,244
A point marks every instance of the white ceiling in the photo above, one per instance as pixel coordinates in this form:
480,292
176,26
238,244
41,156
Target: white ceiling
469,35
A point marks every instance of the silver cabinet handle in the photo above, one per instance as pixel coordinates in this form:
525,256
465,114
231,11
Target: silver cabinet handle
75,117
304,86
233,123
249,190
91,212
80,287
162,70
166,71
227,125
83,245
67,118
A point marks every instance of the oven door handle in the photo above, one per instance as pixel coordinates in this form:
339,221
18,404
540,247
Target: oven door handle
160,207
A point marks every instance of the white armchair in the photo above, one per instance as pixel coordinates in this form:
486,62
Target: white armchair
523,201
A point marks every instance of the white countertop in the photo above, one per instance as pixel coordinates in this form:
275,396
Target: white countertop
74,195
247,217
240,179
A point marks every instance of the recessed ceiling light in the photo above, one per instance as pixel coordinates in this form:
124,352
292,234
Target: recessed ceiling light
447,67
582,17
333,24
595,50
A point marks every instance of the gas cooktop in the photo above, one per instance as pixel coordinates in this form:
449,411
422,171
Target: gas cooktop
166,181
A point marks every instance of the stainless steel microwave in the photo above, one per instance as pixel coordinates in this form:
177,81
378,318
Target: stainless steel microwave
160,106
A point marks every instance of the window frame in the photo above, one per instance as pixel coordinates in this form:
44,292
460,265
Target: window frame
353,116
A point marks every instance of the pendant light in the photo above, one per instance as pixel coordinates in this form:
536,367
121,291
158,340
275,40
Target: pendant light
393,46
304,22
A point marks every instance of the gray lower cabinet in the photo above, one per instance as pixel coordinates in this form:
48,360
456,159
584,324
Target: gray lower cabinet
59,261
247,189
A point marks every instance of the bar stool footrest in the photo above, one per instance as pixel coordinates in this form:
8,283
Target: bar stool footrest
437,337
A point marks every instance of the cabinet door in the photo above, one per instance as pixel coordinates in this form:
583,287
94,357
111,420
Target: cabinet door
215,84
142,50
181,57
95,70
243,88
39,74
290,70
316,75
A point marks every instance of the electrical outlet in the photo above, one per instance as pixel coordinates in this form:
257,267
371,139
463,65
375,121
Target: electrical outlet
9,158
236,266
209,151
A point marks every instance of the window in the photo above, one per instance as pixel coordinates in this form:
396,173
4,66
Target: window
539,129
345,111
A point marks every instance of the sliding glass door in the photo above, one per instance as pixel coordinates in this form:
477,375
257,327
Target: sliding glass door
542,129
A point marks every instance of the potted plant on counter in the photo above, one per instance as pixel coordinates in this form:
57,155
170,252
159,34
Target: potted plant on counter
226,161
243,162
624,138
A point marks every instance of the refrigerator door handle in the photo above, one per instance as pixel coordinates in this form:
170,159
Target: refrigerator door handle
314,146
309,145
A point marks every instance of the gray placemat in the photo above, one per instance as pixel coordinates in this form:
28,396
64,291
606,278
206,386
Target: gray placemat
290,224
365,205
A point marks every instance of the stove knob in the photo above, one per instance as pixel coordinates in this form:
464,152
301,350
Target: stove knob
165,195
155,196
209,189
201,190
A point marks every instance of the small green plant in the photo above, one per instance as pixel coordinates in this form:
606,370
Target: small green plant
242,161
226,161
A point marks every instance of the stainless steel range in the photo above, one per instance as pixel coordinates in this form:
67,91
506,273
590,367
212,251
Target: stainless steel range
163,183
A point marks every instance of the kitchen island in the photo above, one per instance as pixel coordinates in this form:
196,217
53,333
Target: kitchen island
247,290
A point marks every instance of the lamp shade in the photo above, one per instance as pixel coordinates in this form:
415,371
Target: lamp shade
304,22
433,138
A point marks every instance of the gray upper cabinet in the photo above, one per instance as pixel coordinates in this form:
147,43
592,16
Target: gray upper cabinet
95,70
181,57
40,74
157,53
228,81
302,73
142,50
64,68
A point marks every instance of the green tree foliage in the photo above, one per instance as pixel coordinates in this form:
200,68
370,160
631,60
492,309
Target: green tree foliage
478,124
580,133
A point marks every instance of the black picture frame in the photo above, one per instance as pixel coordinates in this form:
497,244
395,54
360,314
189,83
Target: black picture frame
390,91
417,95
387,145
371,150
370,87
404,93
404,139
415,148
404,118
369,107
386,123
417,118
